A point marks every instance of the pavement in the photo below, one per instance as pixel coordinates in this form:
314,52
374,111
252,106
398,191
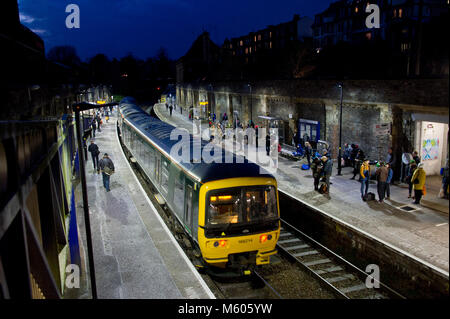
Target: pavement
135,254
422,232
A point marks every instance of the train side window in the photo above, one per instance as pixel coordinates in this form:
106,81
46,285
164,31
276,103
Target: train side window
178,198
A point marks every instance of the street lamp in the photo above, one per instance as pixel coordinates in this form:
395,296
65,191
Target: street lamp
251,104
210,100
341,86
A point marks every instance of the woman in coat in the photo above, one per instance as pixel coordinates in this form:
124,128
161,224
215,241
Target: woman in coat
364,173
418,180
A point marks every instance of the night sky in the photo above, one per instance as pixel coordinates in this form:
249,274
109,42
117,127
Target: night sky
141,27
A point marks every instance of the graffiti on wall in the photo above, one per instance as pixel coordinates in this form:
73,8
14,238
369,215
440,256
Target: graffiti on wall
430,149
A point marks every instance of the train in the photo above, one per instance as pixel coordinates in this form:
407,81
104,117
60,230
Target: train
230,211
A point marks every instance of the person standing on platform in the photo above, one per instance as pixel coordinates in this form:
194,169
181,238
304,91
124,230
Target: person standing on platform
99,123
445,180
268,144
93,149
411,169
389,180
416,157
107,168
170,110
357,162
308,152
364,173
257,135
327,171
316,169
418,179
391,158
382,175
94,126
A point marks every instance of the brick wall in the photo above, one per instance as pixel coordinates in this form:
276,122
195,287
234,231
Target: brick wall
365,104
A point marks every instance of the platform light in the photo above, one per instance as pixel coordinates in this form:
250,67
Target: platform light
227,197
213,198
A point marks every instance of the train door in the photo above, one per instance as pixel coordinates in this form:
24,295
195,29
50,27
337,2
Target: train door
188,200
158,169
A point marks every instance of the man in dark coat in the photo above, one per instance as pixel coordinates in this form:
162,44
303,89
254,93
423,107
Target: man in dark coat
316,168
93,149
94,126
268,144
327,171
382,176
107,167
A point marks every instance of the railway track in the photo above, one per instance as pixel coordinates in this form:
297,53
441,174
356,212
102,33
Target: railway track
254,287
340,276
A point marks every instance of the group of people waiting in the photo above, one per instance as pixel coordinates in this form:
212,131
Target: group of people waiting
384,173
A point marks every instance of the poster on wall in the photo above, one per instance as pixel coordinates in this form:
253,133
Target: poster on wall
430,149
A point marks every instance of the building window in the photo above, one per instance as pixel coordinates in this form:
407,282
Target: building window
356,9
405,47
246,50
400,12
395,13
255,38
369,36
241,43
270,45
259,37
270,34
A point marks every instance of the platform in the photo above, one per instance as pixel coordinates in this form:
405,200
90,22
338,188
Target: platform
422,232
135,254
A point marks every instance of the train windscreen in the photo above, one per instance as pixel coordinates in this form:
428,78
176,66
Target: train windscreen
241,210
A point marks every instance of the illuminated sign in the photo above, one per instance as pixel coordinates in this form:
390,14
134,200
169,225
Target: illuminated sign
203,103
101,102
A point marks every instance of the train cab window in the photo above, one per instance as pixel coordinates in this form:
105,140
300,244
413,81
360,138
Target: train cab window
224,207
249,209
260,203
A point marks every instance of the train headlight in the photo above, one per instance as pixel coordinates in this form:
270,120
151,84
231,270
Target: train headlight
220,243
263,238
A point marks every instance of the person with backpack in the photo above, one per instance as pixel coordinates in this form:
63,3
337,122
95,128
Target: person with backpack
364,173
382,175
418,179
107,167
327,171
93,149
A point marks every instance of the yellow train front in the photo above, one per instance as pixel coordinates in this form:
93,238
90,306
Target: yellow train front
229,210
238,222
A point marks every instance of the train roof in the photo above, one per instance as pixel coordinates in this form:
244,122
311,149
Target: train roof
159,133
